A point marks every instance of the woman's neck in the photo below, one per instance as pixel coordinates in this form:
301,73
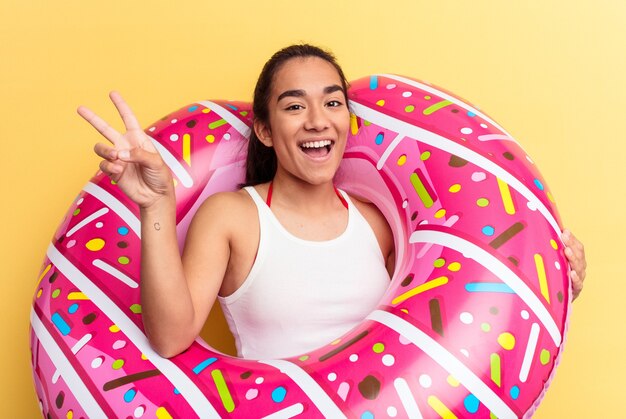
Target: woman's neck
304,197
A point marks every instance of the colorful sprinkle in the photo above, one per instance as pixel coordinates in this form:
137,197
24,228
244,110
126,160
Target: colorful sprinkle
130,395
454,266
541,274
373,82
454,188
203,365
222,390
123,260
95,244
279,394
482,202
497,287
401,160
122,231
488,230
117,364
425,155
436,106
252,393
162,413
73,308
544,357
538,184
379,138
471,403
506,340
422,188
514,392
60,323
425,381
378,347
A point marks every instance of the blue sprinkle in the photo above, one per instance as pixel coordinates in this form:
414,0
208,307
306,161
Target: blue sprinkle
471,403
279,393
367,415
488,287
488,230
373,82
176,391
379,138
234,108
122,231
192,108
202,366
471,114
514,392
538,184
72,309
130,395
61,324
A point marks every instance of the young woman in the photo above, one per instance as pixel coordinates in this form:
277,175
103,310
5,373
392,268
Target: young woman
273,252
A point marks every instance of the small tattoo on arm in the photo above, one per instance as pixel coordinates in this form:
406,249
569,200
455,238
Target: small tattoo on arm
157,226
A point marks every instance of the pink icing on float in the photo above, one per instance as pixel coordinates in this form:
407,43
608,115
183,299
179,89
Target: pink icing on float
472,324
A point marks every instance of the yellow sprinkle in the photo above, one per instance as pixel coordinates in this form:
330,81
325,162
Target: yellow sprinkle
453,381
507,200
162,413
440,213
206,110
426,286
114,328
455,188
404,310
69,414
402,160
440,408
554,244
541,273
336,341
210,138
506,340
95,244
187,148
354,127
144,357
380,102
77,296
550,197
454,266
39,292
45,271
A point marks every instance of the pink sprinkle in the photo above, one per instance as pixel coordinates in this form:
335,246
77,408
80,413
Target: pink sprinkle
119,344
71,243
252,393
343,390
479,176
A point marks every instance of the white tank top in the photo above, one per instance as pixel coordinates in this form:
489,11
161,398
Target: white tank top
299,294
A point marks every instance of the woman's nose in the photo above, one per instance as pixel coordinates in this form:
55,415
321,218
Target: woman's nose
317,119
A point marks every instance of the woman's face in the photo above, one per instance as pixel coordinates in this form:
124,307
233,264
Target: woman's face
308,120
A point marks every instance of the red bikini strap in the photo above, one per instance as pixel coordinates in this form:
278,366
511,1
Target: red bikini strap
270,190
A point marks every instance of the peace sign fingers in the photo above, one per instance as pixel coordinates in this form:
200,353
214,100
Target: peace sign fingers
100,125
130,121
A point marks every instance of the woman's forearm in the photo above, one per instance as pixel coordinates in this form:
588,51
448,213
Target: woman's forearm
167,307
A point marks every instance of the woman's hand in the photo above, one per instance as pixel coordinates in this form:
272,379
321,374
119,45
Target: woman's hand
133,162
575,253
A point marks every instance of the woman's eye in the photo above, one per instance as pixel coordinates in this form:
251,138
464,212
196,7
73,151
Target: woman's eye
334,103
294,107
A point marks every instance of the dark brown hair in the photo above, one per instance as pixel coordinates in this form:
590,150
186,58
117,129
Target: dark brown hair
261,160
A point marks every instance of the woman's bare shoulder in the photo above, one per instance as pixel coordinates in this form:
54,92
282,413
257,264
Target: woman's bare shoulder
225,210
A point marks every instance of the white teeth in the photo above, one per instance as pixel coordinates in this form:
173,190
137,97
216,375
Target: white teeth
316,144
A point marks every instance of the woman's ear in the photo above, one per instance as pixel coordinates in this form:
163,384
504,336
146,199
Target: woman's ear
263,133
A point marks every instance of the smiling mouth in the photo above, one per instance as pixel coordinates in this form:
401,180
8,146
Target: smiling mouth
319,148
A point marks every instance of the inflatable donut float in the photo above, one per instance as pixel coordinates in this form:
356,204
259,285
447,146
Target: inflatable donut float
472,324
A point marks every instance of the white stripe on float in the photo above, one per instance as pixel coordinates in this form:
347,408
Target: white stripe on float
303,380
175,166
456,101
114,272
529,353
77,347
87,220
286,413
62,364
184,384
234,121
407,399
419,134
388,150
112,202
494,137
447,361
499,269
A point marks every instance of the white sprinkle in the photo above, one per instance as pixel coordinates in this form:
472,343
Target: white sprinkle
354,358
557,265
466,131
173,121
483,125
465,352
139,411
259,380
227,136
97,362
425,381
391,86
332,376
392,411
407,94
466,318
174,137
525,315
388,360
99,224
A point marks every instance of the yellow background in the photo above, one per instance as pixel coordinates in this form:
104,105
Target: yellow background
551,72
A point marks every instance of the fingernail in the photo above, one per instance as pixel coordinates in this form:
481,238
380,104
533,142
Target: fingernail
124,154
565,234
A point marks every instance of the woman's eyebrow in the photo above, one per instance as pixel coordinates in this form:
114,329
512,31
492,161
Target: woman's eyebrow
302,93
